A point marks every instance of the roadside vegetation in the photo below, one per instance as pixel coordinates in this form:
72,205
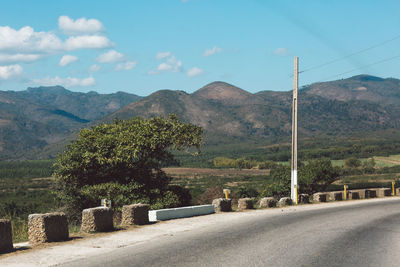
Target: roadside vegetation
28,187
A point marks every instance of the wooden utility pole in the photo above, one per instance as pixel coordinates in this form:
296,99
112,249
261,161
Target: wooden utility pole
293,187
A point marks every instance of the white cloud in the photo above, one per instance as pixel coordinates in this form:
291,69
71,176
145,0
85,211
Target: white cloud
87,42
128,65
7,72
170,64
67,82
27,40
79,26
67,59
193,72
111,56
281,51
164,67
212,51
94,68
162,55
13,58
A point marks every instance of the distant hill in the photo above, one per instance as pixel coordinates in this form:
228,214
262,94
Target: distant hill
38,122
32,119
358,105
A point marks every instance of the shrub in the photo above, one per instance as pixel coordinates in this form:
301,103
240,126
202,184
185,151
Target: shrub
352,163
314,176
210,194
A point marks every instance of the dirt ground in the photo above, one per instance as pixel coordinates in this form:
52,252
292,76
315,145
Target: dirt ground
198,172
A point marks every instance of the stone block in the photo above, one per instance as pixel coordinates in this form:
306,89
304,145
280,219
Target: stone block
354,195
397,191
335,195
245,203
304,198
383,192
99,219
267,202
361,193
320,197
285,201
135,214
370,193
222,204
6,244
47,227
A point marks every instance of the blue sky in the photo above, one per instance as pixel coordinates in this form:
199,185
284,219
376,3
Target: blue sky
144,46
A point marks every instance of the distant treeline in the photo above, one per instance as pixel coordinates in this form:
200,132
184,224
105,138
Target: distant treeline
308,149
241,163
26,169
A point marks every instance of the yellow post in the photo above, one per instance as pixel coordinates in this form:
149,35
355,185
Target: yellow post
393,190
345,192
105,202
296,194
226,191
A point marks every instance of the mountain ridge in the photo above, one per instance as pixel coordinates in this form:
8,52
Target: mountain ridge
38,122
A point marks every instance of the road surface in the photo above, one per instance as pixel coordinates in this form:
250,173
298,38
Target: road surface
351,233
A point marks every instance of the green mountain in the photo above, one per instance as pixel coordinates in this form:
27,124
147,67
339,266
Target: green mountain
31,120
360,105
39,122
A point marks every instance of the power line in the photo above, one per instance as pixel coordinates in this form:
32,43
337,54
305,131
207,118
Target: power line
365,66
350,55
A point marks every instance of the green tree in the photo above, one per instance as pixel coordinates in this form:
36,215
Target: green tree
122,161
352,163
314,176
280,182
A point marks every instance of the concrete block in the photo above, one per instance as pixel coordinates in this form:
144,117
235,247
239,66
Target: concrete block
245,203
360,192
370,193
285,201
175,213
135,214
335,195
267,202
304,198
47,227
383,192
397,191
222,204
98,219
320,197
6,244
354,195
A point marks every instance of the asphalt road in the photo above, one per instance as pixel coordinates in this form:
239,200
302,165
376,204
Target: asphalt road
363,233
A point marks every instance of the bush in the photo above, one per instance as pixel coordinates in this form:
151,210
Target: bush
245,191
352,163
314,176
210,194
280,186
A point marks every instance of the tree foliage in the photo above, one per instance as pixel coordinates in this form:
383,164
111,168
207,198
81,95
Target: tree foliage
314,176
352,163
241,163
122,161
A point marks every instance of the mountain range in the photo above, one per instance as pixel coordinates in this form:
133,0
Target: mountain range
42,119
33,119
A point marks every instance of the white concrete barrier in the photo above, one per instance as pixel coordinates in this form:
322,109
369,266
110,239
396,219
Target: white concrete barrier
167,214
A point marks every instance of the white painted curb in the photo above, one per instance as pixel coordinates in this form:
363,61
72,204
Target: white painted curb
167,214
